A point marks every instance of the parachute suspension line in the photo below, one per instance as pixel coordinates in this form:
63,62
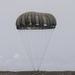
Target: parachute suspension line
47,44
29,37
42,40
39,45
36,42
32,43
30,57
30,46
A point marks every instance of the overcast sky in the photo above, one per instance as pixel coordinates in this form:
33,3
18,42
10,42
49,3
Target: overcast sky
61,51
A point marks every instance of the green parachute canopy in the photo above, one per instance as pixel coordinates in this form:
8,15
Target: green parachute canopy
35,20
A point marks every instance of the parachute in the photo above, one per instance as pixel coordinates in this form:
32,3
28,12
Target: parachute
35,29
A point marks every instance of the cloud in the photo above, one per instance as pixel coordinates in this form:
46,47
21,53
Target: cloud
1,57
8,61
13,59
16,56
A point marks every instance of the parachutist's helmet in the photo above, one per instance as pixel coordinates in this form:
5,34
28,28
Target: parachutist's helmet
35,20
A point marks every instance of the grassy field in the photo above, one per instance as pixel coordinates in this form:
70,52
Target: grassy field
38,73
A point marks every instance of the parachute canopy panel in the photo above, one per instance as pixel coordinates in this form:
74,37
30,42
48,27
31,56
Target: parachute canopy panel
35,20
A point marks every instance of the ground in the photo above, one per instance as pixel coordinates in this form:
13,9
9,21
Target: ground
38,73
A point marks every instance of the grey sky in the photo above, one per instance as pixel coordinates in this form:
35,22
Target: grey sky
61,52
